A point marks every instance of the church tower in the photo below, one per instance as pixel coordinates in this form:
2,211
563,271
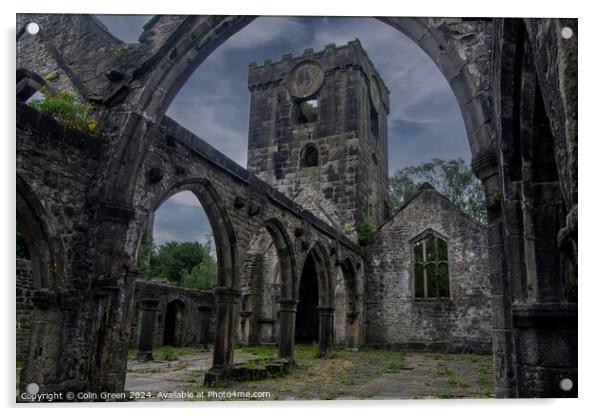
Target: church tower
318,126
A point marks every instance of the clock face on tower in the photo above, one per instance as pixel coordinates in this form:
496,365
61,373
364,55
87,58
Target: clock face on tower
375,93
305,79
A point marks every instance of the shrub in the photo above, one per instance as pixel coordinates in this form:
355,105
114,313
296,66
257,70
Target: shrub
366,230
169,354
65,108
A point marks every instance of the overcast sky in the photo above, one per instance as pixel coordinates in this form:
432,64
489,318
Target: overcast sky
424,122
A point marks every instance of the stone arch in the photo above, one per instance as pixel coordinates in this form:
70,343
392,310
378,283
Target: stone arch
260,290
317,271
224,234
464,65
324,273
43,359
347,313
44,245
263,300
309,156
432,35
227,292
466,72
286,257
288,277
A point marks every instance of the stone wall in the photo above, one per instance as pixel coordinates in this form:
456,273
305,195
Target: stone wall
24,307
195,303
394,316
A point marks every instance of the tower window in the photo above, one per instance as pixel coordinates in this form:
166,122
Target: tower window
431,272
309,156
307,111
374,123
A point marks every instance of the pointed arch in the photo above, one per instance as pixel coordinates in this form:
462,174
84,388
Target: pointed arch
42,362
324,274
286,257
224,235
44,245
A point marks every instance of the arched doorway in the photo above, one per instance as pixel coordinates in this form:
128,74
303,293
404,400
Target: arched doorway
314,318
268,289
347,306
260,289
226,294
307,323
173,332
42,355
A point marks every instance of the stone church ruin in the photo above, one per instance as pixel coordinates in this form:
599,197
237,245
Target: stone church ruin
290,268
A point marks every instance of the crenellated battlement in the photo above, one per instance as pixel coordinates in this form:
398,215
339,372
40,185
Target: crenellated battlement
330,58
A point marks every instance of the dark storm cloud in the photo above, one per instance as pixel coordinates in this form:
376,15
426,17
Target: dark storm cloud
424,122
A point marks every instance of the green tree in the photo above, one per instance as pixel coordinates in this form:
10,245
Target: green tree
202,276
453,178
186,264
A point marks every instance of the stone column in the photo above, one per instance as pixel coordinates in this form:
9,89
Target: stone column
147,327
485,167
223,352
286,343
353,335
204,320
326,328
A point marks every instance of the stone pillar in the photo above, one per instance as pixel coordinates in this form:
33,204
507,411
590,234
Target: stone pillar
43,364
353,333
485,167
204,321
147,329
326,328
223,352
286,343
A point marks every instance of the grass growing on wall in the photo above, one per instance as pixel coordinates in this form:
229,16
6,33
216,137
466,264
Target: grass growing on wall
68,110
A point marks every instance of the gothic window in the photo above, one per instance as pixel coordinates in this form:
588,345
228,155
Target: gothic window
374,123
309,157
431,271
307,111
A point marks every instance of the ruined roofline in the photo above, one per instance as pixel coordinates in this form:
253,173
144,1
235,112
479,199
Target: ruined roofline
172,129
426,186
54,130
309,53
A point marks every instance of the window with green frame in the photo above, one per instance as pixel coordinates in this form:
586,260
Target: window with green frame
431,271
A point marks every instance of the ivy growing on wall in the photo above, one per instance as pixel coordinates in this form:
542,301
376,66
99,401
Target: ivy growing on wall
366,231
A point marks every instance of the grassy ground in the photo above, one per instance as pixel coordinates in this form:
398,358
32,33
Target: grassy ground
338,374
355,374
483,384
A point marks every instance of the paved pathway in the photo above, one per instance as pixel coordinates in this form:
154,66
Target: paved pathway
424,376
162,375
